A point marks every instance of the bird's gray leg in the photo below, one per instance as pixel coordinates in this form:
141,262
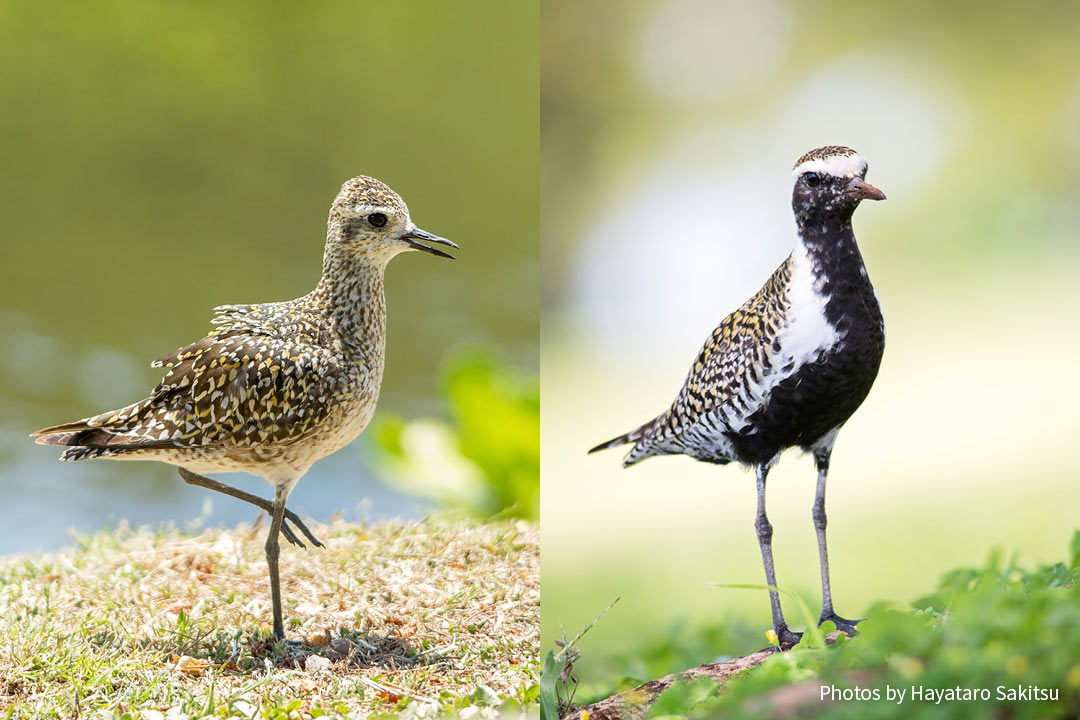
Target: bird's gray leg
205,482
827,612
277,518
764,533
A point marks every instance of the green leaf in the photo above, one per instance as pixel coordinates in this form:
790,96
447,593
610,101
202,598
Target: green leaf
483,695
486,458
549,704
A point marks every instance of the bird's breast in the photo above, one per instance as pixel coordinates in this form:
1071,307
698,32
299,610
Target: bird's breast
807,330
357,401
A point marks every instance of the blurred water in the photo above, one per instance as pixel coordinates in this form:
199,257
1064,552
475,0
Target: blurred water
55,498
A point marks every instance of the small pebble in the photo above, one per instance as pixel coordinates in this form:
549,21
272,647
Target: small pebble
317,664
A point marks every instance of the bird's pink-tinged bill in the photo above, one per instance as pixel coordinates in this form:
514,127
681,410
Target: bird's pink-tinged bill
859,189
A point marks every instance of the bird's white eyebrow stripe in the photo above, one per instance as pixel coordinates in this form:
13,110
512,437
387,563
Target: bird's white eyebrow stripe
366,208
838,165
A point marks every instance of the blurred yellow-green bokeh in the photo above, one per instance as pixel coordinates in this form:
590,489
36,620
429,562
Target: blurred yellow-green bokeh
668,131
161,158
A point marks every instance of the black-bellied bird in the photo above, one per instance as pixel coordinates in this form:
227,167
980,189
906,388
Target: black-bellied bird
789,367
276,386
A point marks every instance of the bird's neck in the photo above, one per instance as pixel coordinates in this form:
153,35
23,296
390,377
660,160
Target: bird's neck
351,299
828,242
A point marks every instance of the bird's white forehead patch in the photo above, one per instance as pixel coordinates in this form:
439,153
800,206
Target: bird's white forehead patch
837,165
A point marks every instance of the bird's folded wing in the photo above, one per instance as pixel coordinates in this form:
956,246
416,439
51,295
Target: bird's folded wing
728,380
720,372
236,390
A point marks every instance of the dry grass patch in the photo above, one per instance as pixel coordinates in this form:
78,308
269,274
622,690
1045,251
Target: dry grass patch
434,617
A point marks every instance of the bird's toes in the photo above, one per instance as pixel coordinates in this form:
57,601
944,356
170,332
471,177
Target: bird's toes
291,517
843,624
289,535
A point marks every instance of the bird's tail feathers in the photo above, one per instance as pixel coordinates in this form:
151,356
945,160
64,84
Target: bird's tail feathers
631,437
84,442
51,435
73,454
75,437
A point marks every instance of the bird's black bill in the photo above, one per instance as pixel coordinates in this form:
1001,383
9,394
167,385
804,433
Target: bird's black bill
413,237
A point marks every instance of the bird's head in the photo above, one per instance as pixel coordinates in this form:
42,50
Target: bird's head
830,180
369,219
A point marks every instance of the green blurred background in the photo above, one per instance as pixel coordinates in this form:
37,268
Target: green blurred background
162,158
668,131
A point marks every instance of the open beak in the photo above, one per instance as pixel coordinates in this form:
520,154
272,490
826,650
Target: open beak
859,189
415,234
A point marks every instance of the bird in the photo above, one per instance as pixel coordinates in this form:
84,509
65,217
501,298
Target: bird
273,387
790,366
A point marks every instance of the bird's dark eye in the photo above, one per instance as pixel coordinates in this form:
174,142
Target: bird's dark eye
376,219
812,179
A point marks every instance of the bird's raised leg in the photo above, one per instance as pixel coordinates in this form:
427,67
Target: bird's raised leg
277,519
821,458
205,482
764,533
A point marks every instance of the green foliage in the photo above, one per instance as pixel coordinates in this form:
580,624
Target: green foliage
998,629
486,459
683,696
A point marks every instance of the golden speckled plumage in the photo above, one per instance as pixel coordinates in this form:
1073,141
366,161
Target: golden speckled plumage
247,384
733,357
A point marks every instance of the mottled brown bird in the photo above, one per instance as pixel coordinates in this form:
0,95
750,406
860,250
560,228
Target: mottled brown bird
789,367
275,386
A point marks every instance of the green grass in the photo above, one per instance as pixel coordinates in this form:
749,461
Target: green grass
417,620
995,630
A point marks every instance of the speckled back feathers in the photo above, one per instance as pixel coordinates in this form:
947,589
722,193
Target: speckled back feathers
265,377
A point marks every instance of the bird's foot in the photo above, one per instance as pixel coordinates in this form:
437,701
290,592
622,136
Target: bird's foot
842,624
281,650
787,638
291,517
287,643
